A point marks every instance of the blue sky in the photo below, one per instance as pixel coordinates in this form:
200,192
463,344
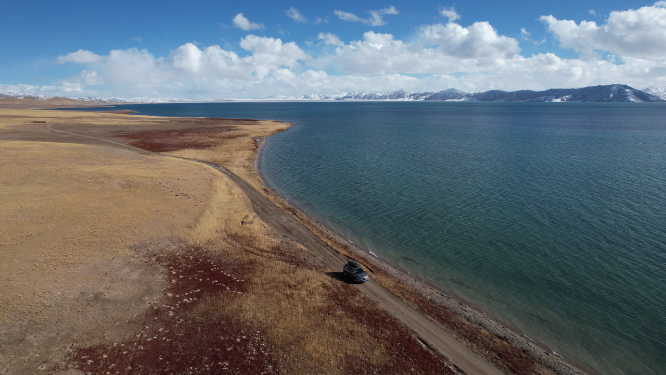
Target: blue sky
222,50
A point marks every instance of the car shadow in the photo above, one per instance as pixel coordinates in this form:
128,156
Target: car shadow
340,276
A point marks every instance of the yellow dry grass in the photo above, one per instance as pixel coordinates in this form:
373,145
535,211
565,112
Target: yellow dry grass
227,208
12,117
291,305
64,205
237,150
292,321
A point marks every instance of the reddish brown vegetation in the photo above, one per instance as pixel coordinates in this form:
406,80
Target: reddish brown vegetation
231,119
173,337
495,347
173,140
407,354
121,111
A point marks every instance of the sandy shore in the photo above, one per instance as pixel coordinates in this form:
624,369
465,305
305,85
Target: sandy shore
269,293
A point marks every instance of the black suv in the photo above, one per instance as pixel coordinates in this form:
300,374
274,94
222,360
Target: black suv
354,271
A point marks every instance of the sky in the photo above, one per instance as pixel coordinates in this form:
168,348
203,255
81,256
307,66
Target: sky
258,49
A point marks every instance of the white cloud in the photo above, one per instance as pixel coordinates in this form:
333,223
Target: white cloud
527,36
477,41
241,22
79,57
295,15
269,53
633,33
136,70
137,39
345,16
450,13
376,16
330,39
47,90
544,71
437,49
76,84
471,58
220,74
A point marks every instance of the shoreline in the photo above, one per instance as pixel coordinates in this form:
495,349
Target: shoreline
402,278
538,351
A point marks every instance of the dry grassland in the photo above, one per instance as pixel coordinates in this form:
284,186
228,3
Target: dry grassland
69,213
311,321
111,259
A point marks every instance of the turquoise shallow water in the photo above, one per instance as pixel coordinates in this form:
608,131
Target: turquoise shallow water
551,217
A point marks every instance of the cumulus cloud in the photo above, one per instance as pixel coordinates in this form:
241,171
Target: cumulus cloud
269,53
438,49
637,33
330,39
221,74
76,84
480,40
79,57
241,22
446,55
138,71
295,15
449,13
376,16
537,72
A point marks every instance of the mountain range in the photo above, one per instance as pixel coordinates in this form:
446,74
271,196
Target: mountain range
606,93
591,94
143,100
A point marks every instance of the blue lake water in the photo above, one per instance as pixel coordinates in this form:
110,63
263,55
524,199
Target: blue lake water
550,217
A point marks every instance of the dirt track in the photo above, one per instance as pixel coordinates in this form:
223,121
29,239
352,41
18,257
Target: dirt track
431,333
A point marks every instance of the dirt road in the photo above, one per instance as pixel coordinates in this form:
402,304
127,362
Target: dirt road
433,334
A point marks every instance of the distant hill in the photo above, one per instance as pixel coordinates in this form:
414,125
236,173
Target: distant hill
656,91
592,94
87,100
18,95
18,100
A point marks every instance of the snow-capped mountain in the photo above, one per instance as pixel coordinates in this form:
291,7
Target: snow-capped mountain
607,93
102,101
18,95
450,94
127,101
656,91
